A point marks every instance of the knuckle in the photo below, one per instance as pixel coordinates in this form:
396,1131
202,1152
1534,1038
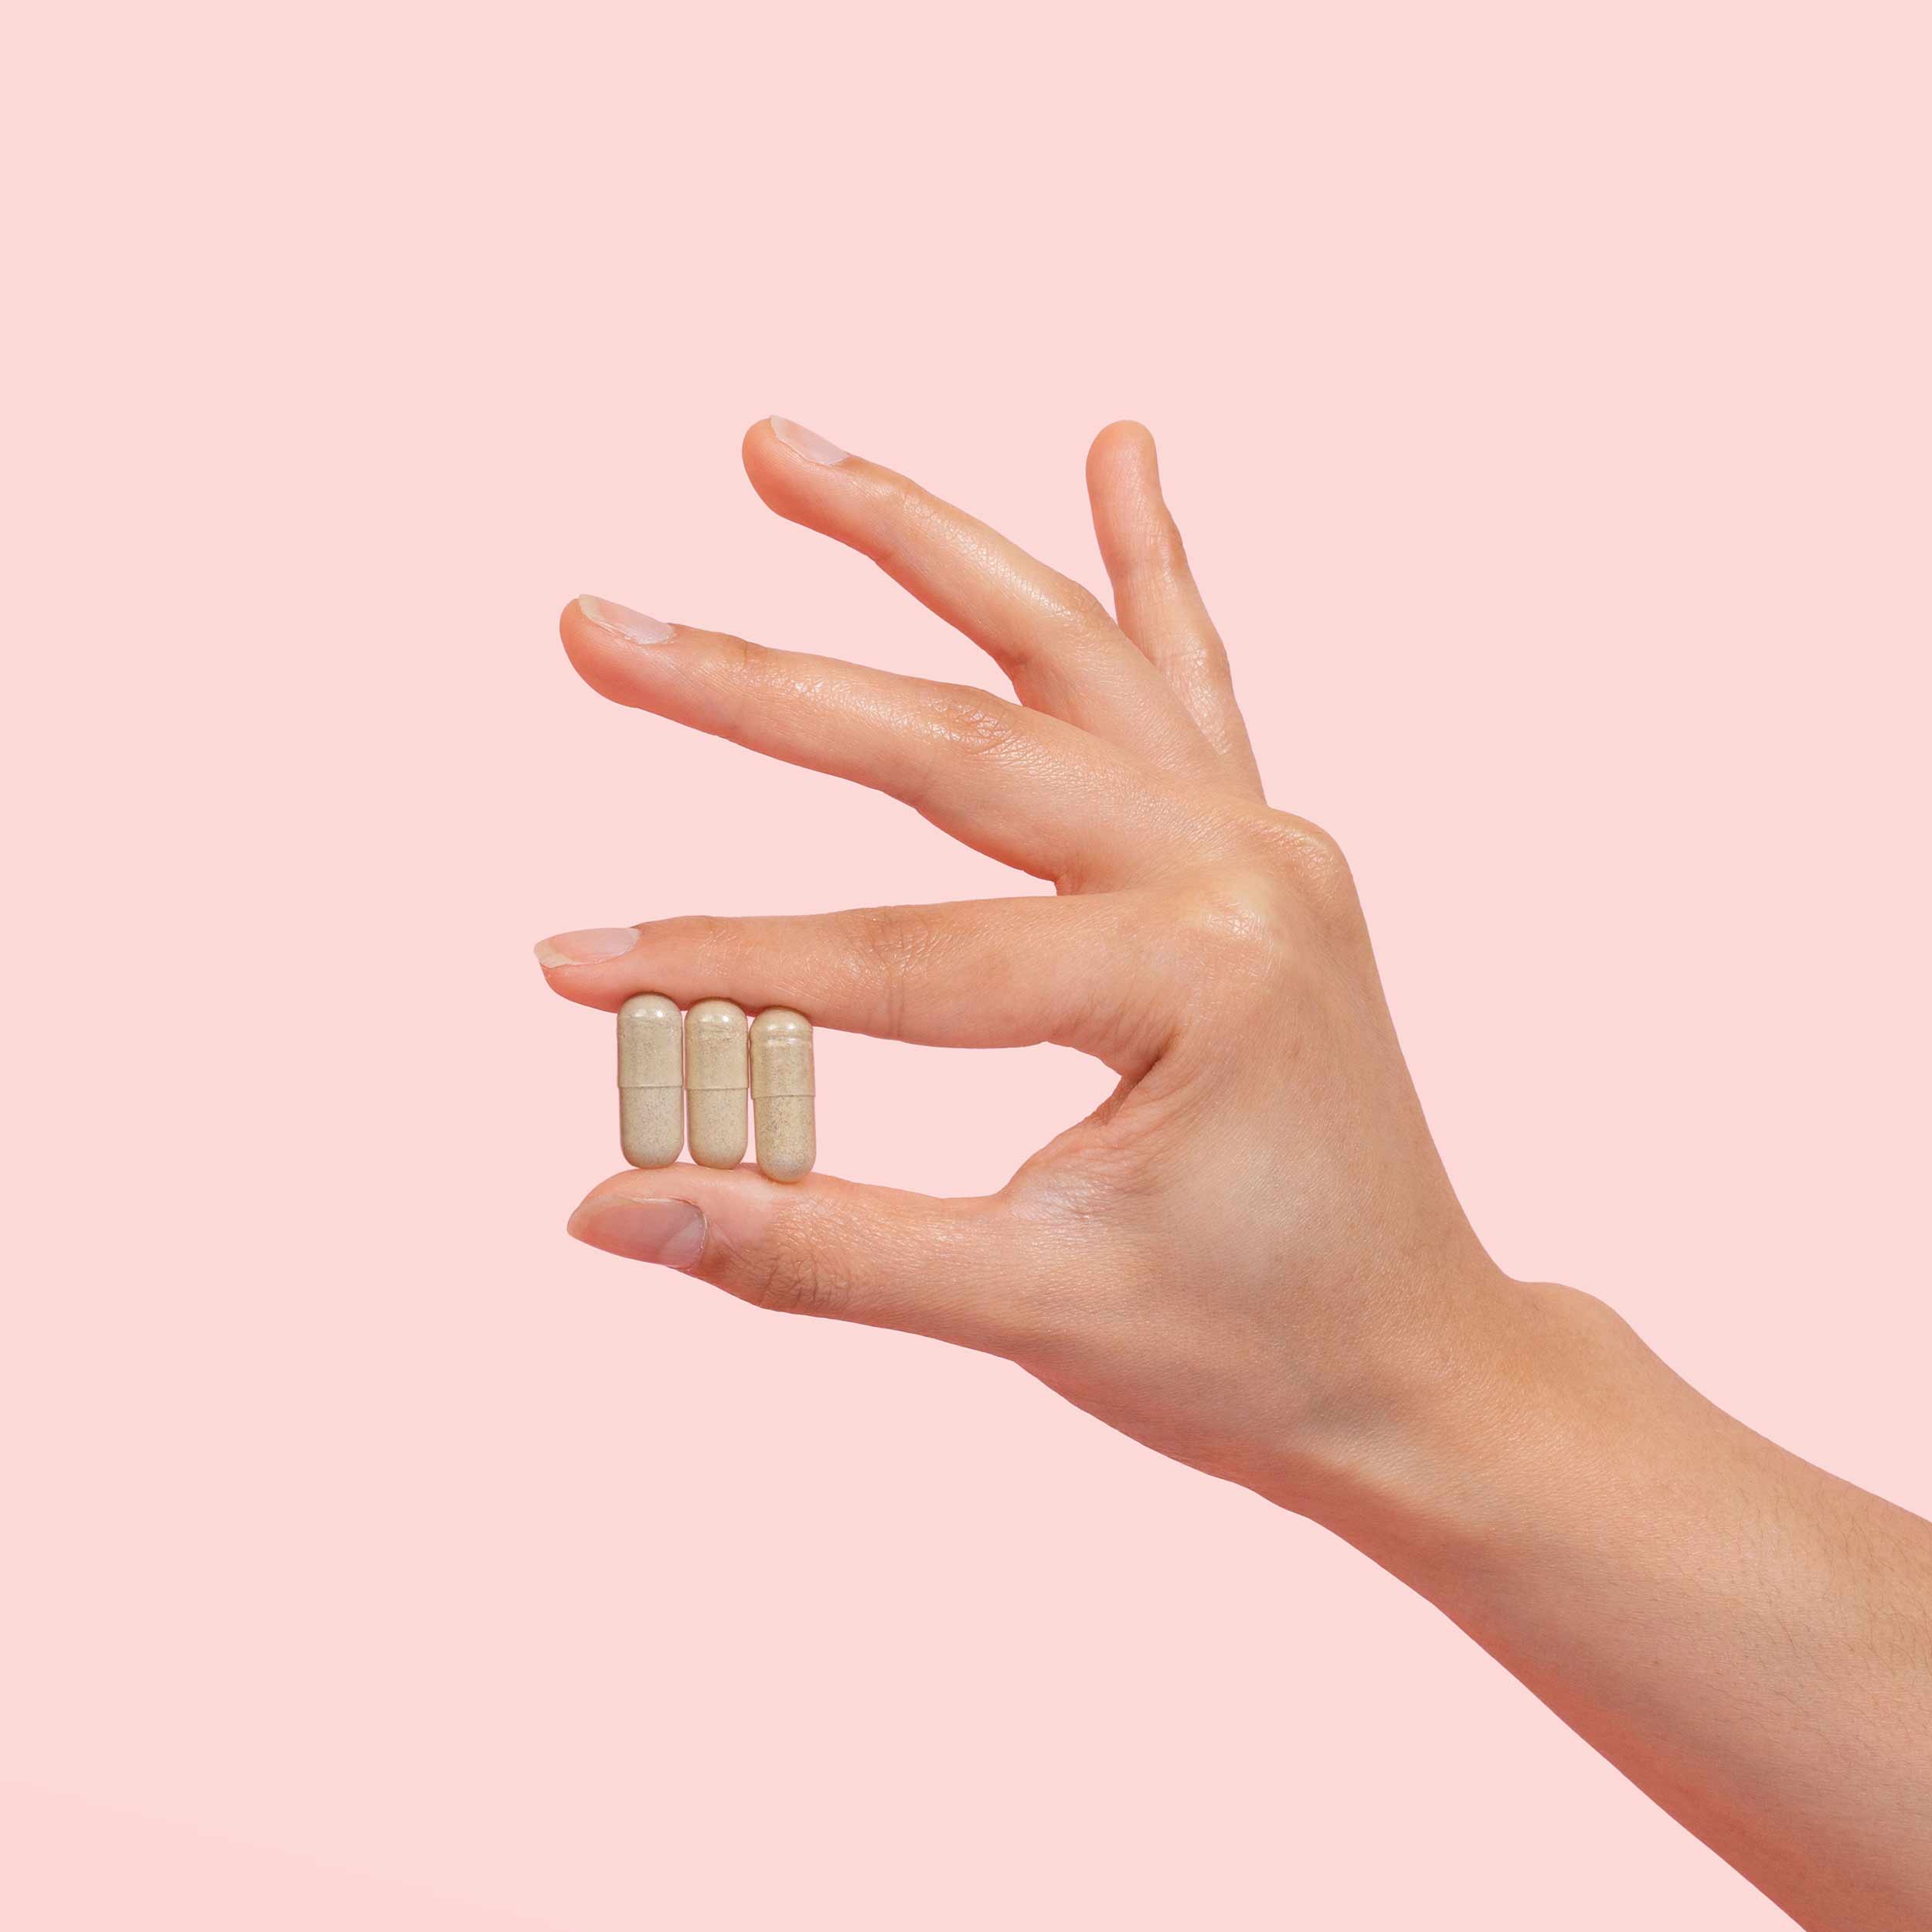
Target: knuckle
1234,929
891,945
1079,609
974,725
794,1277
964,728
894,938
762,675
1301,856
1157,556
710,944
1194,662
1315,861
747,669
906,524
1166,551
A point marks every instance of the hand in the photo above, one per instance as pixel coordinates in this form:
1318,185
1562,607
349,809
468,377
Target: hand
1250,1257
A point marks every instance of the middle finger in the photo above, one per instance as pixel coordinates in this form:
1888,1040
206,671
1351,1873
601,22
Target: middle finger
1051,636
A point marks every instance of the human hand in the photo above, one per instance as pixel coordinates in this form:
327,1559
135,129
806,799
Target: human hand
1250,1257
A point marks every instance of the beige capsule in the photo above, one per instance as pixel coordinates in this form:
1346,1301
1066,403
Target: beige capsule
650,1080
714,1082
781,1094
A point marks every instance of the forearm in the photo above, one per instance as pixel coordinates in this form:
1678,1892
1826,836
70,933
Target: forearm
1747,1637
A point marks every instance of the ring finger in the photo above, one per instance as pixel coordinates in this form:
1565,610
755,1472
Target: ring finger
1030,790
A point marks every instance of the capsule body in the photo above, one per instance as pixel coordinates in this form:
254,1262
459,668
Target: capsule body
715,1072
782,1091
650,1080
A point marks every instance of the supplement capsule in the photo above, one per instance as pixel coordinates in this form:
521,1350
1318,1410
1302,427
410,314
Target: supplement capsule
650,1080
781,1094
714,1082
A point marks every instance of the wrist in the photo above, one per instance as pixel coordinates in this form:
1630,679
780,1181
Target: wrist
1498,1432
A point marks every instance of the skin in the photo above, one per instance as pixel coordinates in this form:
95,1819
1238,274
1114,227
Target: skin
1250,1257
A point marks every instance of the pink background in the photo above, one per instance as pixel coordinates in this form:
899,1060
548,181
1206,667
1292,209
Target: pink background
1544,391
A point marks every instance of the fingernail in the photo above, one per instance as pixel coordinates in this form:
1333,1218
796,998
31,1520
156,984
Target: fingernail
586,948
671,1232
806,442
633,626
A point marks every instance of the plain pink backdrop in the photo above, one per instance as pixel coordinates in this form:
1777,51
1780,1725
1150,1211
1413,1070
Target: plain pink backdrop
1544,393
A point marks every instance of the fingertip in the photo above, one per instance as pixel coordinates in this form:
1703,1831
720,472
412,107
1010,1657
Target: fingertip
587,946
1124,486
779,441
569,961
773,474
1124,444
808,480
616,650
631,1213
581,636
659,1228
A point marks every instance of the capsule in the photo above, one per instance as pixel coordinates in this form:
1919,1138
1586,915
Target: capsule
781,1094
650,1080
714,1082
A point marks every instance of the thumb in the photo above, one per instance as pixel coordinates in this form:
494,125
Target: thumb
961,1271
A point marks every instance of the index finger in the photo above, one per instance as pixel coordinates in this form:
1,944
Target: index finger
993,972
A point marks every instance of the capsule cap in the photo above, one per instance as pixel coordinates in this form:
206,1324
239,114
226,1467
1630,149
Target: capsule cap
781,1061
650,1043
715,1048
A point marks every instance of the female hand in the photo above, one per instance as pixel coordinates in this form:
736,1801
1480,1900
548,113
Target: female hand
1250,1257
